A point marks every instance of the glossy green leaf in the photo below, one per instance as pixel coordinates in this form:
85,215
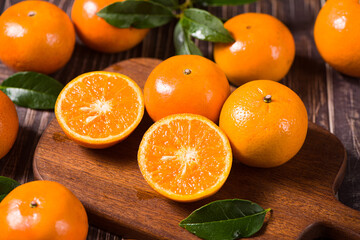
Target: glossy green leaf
222,2
32,90
225,220
6,186
173,4
136,13
183,43
204,26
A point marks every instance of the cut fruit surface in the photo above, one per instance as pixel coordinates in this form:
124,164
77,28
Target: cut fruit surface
185,157
99,109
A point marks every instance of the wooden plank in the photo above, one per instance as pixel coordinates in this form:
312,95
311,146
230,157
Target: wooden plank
347,117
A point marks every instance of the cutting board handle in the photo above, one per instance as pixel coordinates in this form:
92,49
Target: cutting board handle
332,225
325,230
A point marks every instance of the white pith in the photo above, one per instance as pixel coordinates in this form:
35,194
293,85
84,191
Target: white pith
99,107
186,156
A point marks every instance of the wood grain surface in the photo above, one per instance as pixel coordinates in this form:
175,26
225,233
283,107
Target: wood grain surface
332,100
117,198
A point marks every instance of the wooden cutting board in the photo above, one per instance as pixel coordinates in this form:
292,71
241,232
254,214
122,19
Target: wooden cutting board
109,184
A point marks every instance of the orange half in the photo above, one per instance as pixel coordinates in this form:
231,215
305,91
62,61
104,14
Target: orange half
99,109
185,157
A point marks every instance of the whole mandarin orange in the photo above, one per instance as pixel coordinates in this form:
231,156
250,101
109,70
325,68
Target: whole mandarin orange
97,34
266,123
186,84
264,48
337,35
36,36
42,210
9,124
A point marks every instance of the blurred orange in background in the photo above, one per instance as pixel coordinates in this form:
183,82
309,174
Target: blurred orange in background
97,34
337,35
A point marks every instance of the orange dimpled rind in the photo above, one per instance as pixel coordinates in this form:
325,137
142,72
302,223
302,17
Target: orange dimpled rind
264,48
264,133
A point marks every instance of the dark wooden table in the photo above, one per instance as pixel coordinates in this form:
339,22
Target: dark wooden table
332,100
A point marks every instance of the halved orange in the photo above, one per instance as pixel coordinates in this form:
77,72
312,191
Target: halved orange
185,157
99,109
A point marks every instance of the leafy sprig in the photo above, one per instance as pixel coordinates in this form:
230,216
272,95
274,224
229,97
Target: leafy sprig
226,220
6,186
193,22
32,90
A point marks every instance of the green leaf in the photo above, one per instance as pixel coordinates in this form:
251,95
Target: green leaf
6,186
32,90
183,43
173,4
136,13
225,219
222,2
205,26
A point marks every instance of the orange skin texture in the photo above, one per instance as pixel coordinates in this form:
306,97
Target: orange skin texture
97,34
264,48
9,124
168,90
42,43
264,134
58,214
337,35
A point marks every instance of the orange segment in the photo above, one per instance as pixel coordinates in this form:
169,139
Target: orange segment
185,157
99,109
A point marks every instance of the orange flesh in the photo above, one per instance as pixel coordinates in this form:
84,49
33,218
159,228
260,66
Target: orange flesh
100,106
186,157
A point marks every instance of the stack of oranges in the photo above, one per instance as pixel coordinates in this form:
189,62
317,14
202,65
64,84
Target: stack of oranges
186,96
39,36
187,154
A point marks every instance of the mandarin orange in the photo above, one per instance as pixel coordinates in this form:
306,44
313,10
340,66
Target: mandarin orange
186,84
36,36
9,124
337,35
266,123
99,109
185,157
42,210
264,48
97,34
